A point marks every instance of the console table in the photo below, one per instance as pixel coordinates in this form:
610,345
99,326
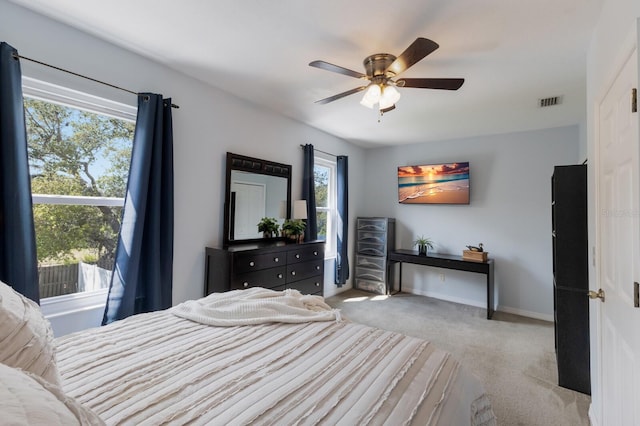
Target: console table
448,262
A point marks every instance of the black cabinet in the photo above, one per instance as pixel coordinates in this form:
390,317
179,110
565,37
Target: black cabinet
274,265
570,273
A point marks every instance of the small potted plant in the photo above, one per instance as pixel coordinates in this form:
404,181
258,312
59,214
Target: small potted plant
423,244
294,229
268,226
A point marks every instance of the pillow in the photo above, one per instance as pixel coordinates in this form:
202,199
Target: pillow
26,338
28,399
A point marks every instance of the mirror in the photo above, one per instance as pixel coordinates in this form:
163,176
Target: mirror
255,188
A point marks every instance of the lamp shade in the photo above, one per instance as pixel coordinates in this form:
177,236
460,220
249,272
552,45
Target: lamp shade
389,97
300,209
371,96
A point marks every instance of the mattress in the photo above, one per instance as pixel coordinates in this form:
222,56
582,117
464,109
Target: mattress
159,368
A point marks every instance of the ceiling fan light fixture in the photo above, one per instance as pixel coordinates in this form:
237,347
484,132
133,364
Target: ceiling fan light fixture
366,102
389,97
382,69
372,96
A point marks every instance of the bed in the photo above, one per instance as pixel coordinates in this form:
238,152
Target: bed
266,358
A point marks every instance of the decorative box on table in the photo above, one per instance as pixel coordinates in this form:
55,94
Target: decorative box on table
478,256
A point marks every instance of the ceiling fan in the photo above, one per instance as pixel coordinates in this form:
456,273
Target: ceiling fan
381,72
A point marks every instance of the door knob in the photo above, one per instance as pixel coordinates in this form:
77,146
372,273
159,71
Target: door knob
596,294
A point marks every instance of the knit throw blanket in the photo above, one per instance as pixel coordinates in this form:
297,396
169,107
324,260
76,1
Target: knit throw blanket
256,306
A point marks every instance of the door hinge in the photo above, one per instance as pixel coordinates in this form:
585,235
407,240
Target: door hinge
634,100
636,295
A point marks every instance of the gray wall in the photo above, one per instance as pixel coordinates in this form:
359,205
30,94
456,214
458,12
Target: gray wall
509,213
209,123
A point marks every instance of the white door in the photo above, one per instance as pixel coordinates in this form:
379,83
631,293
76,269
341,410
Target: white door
249,209
617,221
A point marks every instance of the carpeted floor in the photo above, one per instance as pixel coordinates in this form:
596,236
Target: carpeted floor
512,355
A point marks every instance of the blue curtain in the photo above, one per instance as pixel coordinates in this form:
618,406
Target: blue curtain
342,225
142,276
18,258
309,194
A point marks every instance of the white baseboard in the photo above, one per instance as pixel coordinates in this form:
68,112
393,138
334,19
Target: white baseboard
523,313
593,419
478,304
447,297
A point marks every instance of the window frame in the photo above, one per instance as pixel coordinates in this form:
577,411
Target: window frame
56,306
331,241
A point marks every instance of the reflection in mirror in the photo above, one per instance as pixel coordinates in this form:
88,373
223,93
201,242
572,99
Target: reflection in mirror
255,189
254,196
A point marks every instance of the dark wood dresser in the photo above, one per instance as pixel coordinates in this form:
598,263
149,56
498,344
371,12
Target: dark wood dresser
275,265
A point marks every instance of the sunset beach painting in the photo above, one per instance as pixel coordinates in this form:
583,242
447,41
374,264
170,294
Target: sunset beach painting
446,183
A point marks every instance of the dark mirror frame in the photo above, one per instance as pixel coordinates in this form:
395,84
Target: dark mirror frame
252,165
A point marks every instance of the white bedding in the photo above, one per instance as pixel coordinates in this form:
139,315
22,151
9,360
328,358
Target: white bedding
158,368
256,306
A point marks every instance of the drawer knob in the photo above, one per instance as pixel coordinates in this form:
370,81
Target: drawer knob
317,267
297,256
317,284
252,263
245,284
275,259
279,275
315,253
293,273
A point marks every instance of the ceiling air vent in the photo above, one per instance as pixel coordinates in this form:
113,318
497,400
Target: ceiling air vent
546,102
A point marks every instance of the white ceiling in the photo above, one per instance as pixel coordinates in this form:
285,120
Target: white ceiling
510,52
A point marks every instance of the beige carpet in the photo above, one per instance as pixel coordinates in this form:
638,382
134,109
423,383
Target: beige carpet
513,356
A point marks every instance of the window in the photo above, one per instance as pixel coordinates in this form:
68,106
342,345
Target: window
79,153
325,187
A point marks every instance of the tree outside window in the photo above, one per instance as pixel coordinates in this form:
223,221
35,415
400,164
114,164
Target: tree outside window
324,180
321,180
79,164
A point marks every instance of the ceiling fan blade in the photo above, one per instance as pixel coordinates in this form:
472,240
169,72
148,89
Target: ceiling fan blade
340,95
431,83
420,48
335,68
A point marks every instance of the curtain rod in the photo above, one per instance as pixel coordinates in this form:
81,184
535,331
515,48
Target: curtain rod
319,150
15,55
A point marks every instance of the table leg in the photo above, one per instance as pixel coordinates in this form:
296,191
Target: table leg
490,292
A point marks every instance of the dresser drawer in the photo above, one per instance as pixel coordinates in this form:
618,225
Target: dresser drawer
303,254
246,262
371,249
312,285
300,271
372,237
370,274
371,262
371,286
372,224
267,278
